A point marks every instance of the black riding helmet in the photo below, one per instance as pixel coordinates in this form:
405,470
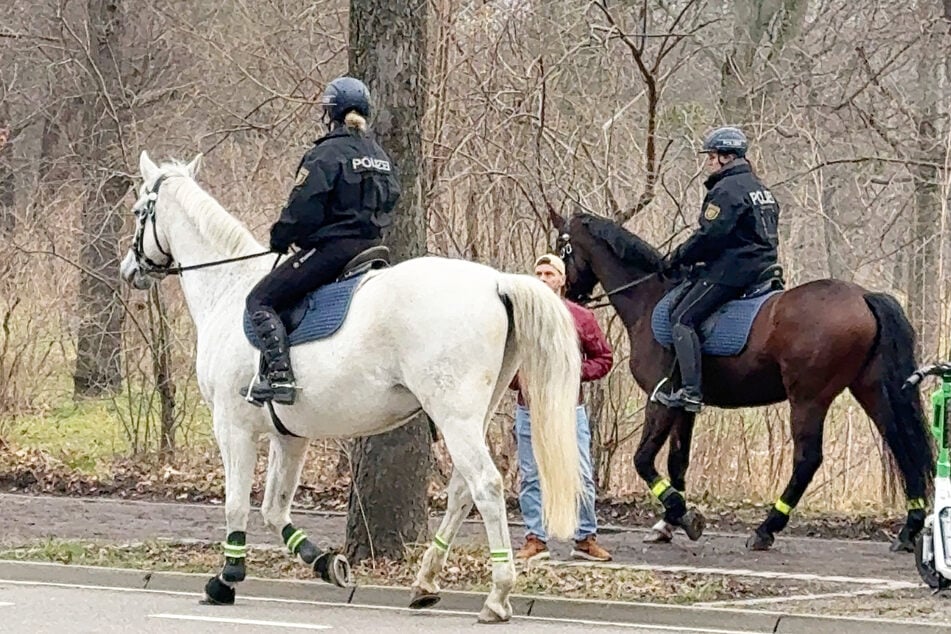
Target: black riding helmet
343,95
726,140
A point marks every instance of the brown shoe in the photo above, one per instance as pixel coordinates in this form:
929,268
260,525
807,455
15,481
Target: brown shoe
589,550
533,550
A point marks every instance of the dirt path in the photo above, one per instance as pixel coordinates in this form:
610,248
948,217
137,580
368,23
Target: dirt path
27,518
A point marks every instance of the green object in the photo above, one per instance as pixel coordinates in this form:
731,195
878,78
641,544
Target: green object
939,423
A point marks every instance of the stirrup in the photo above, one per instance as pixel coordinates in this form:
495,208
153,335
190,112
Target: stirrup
656,394
261,391
680,400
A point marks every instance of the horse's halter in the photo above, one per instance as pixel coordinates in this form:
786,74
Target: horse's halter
145,214
151,268
565,251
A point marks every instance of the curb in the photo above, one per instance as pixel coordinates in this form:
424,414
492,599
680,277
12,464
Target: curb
577,610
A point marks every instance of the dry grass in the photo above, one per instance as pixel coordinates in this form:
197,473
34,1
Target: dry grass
467,569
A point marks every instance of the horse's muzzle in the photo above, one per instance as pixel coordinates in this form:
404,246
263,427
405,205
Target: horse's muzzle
130,272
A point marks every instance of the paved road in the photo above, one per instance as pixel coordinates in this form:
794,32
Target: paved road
24,518
38,609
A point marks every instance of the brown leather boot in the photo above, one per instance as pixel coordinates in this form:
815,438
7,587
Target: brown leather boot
533,550
589,550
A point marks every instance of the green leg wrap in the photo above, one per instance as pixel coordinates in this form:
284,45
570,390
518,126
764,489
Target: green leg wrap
293,538
777,518
673,500
500,556
235,553
440,543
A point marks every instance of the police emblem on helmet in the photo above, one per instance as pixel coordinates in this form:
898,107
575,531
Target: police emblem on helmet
726,140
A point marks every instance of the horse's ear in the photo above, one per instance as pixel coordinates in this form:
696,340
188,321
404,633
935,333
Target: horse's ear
557,220
150,170
194,165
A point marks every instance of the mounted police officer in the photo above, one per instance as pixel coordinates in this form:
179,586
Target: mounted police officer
343,197
736,242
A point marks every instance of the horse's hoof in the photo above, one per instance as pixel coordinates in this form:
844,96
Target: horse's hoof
760,541
488,616
217,592
902,544
422,599
334,568
233,572
660,533
308,552
693,523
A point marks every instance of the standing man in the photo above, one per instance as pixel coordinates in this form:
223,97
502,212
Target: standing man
597,360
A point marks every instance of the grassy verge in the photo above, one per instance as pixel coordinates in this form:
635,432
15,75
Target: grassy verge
86,435
467,569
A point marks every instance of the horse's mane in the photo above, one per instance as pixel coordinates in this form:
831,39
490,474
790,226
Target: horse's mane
624,244
212,221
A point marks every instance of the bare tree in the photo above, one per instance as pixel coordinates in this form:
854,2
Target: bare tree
99,339
931,91
7,188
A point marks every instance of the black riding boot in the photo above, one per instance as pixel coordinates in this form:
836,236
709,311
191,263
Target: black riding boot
277,384
687,347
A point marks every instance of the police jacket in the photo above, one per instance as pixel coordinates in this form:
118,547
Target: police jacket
346,187
737,239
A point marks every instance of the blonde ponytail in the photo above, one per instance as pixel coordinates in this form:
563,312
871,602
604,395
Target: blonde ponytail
356,121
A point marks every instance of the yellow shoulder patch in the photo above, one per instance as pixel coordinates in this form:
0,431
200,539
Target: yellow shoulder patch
711,212
302,175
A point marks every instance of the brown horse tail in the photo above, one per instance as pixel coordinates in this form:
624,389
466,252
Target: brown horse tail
906,429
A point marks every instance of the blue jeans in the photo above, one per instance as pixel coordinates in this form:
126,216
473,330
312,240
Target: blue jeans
529,495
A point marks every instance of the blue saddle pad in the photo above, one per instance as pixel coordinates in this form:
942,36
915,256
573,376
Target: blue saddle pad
723,334
324,312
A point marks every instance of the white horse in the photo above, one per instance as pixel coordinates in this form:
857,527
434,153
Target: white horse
433,334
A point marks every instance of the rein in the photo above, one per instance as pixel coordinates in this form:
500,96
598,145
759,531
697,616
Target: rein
623,287
565,252
176,270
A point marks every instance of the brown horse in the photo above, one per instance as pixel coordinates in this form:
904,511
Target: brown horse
806,345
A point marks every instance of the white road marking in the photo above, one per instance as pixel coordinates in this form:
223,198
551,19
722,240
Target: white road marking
795,597
851,621
385,608
738,572
4,604
218,619
643,626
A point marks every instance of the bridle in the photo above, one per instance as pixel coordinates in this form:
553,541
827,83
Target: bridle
146,213
565,252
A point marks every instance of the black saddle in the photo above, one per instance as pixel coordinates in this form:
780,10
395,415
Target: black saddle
373,258
377,257
771,279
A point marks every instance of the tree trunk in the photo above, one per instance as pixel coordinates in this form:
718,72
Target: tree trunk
161,351
388,497
761,30
7,184
99,339
839,268
923,298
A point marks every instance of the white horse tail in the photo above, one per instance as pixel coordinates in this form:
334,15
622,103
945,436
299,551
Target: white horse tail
550,375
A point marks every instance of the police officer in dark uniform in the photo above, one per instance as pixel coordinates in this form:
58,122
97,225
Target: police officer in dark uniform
343,197
737,241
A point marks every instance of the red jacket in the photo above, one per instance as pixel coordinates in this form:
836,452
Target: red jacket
596,355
